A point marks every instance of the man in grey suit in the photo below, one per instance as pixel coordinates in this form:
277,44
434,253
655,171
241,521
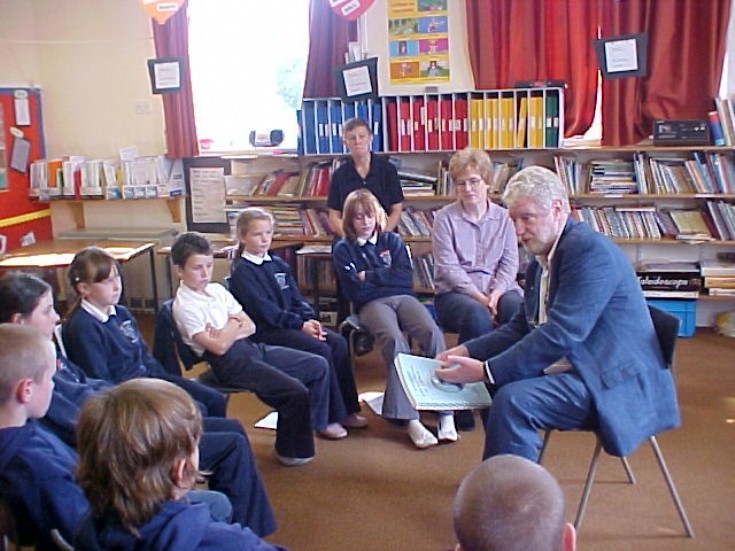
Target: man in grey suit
582,352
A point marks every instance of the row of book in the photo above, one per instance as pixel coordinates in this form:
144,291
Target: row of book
291,221
714,222
77,177
313,181
702,173
687,280
491,119
722,122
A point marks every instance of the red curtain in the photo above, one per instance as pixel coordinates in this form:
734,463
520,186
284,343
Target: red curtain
512,40
686,48
328,37
172,40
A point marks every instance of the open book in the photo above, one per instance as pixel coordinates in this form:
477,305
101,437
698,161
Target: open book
426,391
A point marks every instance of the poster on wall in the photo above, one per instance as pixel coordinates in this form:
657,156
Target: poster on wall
418,41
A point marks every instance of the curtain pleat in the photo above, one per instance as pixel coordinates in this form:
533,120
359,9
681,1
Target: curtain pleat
686,49
172,40
328,37
513,40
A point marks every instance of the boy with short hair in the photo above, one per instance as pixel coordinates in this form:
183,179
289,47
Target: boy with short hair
214,325
36,468
138,458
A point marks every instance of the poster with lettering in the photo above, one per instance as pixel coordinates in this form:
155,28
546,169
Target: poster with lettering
418,41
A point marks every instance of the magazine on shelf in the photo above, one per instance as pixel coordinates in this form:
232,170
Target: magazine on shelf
426,391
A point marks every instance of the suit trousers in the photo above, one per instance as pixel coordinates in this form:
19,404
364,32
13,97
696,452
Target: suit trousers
386,319
224,451
294,383
523,408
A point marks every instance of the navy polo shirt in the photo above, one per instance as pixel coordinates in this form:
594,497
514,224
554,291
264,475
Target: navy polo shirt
382,181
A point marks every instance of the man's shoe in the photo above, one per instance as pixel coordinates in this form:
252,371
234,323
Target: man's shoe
465,420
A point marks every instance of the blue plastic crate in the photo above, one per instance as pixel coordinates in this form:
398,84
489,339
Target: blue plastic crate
685,310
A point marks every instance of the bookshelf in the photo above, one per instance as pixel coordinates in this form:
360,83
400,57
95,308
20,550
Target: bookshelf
636,208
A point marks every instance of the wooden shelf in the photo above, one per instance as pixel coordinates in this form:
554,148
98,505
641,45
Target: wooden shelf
76,206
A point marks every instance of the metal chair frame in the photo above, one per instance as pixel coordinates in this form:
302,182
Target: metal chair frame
667,329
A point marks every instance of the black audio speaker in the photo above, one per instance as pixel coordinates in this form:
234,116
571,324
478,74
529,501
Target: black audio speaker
683,132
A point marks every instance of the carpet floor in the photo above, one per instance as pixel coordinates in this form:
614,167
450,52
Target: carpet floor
373,490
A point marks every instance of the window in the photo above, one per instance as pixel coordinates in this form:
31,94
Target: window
248,60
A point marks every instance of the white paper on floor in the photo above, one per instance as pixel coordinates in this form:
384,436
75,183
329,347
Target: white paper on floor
373,400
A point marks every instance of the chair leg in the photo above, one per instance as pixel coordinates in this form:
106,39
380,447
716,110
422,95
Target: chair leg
628,470
547,437
672,488
588,485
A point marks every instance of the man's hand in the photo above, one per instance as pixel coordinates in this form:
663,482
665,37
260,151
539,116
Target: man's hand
361,275
460,350
461,369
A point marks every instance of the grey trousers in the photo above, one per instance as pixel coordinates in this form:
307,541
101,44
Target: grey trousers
386,319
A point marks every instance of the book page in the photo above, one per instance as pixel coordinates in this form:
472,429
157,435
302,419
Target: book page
426,391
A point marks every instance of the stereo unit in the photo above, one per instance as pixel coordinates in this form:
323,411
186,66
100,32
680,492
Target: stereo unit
683,132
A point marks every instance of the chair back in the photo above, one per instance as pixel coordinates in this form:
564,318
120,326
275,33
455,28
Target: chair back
168,346
58,337
667,331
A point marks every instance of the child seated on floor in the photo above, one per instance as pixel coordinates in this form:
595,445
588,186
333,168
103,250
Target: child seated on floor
138,457
375,271
103,338
212,323
264,286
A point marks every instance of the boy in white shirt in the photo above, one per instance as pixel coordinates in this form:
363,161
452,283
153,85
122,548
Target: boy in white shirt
213,324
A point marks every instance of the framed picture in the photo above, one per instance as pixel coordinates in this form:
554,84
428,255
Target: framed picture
357,80
165,74
623,56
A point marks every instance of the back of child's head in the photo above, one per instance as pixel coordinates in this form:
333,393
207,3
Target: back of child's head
129,439
22,356
19,294
244,220
188,244
91,265
363,200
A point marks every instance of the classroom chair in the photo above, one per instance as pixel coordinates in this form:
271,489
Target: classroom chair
173,353
667,330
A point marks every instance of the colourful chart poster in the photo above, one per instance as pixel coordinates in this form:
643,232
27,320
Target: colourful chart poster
418,35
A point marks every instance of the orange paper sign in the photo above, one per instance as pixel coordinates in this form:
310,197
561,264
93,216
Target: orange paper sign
350,9
161,10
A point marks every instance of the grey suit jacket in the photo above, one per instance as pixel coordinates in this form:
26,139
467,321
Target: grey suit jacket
598,319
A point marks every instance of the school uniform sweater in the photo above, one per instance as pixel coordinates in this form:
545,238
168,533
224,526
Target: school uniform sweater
386,265
269,294
36,478
112,351
178,526
71,389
